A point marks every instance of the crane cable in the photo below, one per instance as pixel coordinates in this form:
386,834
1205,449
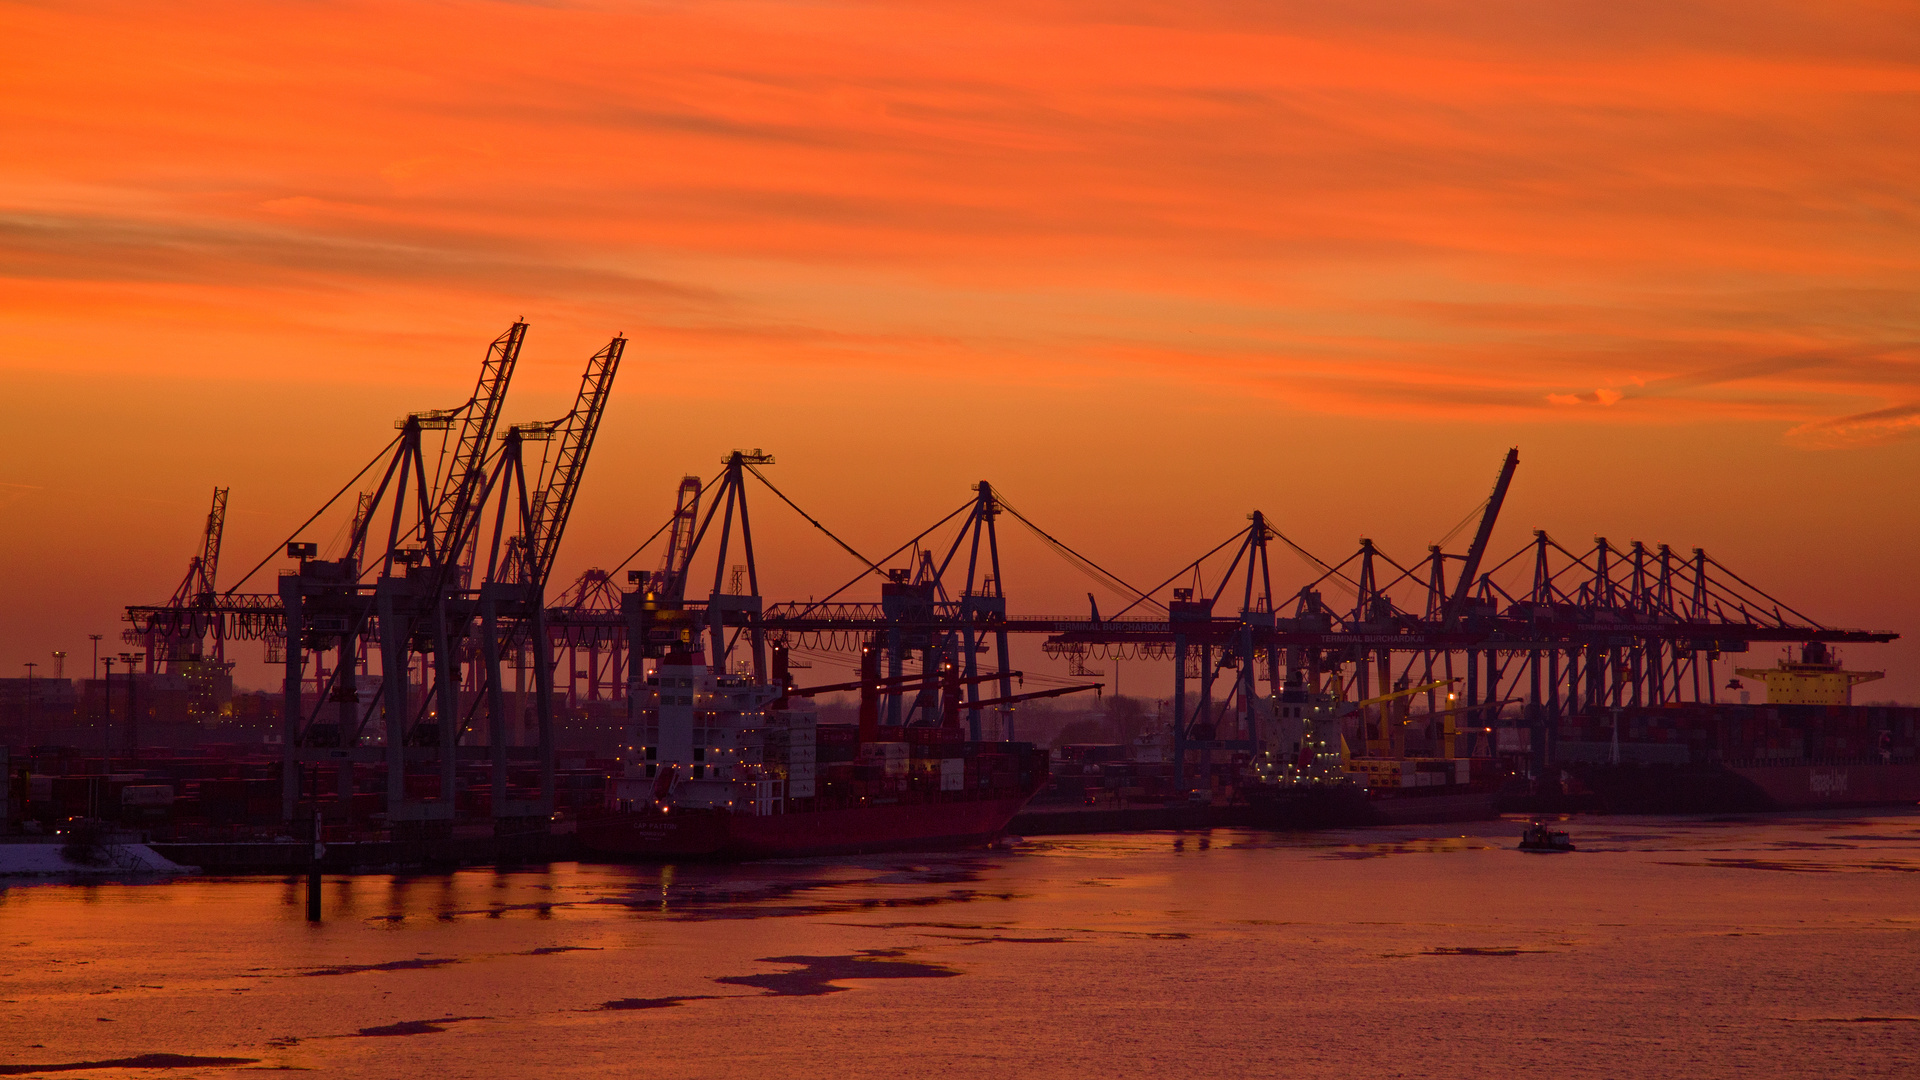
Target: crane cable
848,548
656,533
282,546
1106,578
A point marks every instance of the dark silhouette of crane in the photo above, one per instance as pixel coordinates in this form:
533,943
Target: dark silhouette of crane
185,641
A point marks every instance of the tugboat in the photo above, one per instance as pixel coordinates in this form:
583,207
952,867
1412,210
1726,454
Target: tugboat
1544,839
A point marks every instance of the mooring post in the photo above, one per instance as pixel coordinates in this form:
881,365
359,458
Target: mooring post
313,871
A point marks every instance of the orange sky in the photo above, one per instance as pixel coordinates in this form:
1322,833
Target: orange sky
1146,266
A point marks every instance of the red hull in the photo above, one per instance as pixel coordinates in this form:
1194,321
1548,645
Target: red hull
853,831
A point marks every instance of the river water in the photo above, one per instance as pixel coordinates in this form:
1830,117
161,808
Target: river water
1755,947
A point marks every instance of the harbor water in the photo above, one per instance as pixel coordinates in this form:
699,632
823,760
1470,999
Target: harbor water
1763,946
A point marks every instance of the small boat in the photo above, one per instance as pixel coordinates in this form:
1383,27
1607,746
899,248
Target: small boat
1540,837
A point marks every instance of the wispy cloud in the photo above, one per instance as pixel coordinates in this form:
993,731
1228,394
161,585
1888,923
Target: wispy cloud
1589,211
101,249
1860,429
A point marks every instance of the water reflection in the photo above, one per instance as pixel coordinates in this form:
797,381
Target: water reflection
1722,944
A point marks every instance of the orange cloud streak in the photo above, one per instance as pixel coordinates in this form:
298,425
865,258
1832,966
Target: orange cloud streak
1595,211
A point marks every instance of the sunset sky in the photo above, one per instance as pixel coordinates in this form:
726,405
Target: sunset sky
1146,266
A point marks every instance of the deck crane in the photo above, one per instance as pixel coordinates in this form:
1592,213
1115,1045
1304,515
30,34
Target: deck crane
1386,736
1404,692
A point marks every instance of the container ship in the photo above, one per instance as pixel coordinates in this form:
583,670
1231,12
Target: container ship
718,766
1807,747
1408,774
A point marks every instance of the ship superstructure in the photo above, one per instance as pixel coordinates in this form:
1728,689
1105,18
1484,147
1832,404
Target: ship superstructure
1306,774
1816,678
704,740
723,766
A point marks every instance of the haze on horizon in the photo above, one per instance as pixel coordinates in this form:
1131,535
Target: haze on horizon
1146,266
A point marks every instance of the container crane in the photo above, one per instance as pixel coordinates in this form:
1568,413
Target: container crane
408,610
512,602
671,582
195,593
1478,550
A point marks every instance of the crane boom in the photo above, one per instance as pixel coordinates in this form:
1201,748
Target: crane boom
1407,692
686,515
210,543
560,476
1480,537
1033,695
195,591
197,586
466,474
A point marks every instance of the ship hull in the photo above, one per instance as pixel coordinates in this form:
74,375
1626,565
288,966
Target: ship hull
1802,787
1476,805
717,834
1712,789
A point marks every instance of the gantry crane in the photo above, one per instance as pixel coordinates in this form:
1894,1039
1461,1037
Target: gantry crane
184,641
511,600
1604,627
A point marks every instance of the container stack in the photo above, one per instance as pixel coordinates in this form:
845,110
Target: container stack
937,758
792,751
889,758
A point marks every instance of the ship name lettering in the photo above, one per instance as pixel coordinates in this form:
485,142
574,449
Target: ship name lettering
1833,783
